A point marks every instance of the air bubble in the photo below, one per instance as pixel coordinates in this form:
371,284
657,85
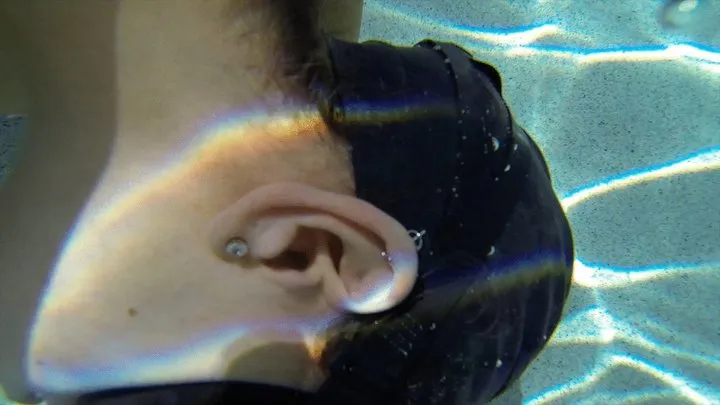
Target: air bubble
679,13
496,144
691,20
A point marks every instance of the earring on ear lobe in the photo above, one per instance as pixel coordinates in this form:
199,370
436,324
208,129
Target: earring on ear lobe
236,247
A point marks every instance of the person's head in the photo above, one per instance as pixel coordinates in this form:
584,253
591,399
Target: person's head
222,194
163,135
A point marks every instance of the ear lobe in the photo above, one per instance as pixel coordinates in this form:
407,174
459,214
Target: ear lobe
364,259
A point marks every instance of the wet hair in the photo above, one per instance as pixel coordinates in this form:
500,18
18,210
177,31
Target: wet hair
300,59
302,70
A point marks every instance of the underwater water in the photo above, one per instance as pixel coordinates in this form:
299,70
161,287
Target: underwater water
623,97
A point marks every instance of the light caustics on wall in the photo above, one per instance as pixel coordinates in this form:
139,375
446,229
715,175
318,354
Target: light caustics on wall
597,326
533,40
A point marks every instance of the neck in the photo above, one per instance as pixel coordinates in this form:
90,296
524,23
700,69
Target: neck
188,63
231,58
149,72
168,58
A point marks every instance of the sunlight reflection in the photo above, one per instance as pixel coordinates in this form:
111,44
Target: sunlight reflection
515,36
605,277
599,328
696,163
609,364
524,41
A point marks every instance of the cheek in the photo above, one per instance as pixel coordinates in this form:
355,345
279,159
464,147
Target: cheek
120,298
113,268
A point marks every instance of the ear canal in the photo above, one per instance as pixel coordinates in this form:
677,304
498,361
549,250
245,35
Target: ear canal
335,249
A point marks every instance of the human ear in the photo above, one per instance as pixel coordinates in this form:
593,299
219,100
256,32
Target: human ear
300,237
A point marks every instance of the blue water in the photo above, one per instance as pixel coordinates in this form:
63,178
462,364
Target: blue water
624,99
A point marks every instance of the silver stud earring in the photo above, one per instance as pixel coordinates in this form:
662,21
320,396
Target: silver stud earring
236,247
